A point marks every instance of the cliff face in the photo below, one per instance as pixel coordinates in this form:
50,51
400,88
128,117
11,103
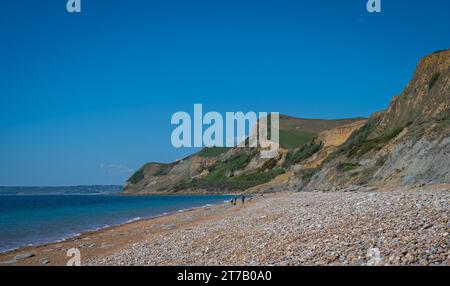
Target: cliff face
240,169
156,177
330,139
408,143
338,135
426,97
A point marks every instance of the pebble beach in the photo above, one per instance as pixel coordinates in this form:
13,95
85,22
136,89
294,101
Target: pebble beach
406,226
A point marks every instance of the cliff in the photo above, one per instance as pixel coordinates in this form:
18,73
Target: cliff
237,169
338,135
408,143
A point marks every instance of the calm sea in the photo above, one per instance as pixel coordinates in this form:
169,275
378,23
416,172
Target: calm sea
33,220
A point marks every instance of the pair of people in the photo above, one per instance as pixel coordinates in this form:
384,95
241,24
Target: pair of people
234,200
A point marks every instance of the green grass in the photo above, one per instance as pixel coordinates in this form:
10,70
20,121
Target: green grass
241,182
359,148
252,179
234,163
136,177
221,170
345,166
439,51
163,170
289,138
221,175
433,80
309,173
212,152
295,157
269,164
139,174
295,139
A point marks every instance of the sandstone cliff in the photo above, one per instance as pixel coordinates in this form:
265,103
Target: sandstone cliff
241,169
338,135
408,143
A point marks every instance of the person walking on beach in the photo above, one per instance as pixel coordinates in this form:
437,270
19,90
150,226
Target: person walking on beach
235,200
232,201
243,199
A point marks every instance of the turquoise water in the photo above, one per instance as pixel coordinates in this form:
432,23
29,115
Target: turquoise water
33,220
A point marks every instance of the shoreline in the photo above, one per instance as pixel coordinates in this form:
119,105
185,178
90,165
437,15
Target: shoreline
75,236
403,226
106,227
33,253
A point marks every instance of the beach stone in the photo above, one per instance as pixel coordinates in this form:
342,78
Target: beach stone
404,226
374,257
169,226
8,262
24,256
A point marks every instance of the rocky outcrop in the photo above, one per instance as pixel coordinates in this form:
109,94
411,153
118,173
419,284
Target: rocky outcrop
236,169
424,161
408,143
331,140
338,135
165,177
427,96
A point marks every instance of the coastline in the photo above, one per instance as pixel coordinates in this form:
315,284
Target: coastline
83,234
72,226
387,226
99,242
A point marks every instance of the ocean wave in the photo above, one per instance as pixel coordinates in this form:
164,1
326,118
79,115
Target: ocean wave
134,219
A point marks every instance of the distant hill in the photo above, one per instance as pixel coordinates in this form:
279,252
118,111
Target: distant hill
234,169
408,143
71,190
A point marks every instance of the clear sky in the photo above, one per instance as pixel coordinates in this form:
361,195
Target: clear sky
87,98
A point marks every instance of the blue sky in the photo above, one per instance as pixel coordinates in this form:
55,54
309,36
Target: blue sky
86,98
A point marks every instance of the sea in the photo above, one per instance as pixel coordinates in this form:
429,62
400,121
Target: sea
30,220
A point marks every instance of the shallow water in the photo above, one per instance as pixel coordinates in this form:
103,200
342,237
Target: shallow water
34,220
